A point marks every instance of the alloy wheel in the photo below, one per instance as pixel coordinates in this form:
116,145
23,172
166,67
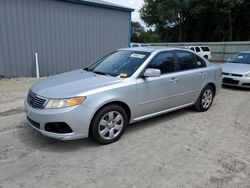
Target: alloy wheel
110,125
207,98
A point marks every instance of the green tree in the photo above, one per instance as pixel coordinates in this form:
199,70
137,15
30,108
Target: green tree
174,13
150,36
137,32
140,35
242,22
228,7
197,20
165,14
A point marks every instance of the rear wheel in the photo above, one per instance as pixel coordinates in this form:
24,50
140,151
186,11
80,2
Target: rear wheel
205,99
109,124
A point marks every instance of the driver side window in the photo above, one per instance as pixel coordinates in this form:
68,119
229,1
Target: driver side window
164,62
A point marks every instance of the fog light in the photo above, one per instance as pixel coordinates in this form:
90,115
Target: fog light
58,127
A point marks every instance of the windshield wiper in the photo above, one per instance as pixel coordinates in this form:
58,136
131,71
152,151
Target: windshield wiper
101,73
87,69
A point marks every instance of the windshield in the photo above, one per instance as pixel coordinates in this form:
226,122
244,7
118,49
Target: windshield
120,63
205,49
242,58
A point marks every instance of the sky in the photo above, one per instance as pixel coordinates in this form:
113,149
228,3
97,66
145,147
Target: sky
135,4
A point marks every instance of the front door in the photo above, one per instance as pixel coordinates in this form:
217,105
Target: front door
155,94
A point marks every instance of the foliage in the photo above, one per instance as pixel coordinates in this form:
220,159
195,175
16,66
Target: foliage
198,20
137,32
140,35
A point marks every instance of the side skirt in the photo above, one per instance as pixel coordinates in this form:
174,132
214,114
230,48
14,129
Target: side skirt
161,112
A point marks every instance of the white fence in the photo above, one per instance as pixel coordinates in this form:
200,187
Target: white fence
221,51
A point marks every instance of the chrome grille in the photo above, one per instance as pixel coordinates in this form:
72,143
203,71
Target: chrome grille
35,101
230,81
232,74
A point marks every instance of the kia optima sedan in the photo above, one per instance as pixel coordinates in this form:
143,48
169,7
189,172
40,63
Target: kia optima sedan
126,86
236,72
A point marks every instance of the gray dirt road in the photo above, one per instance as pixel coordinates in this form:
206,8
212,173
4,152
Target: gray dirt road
180,149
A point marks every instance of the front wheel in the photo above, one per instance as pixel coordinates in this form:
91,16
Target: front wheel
109,124
205,99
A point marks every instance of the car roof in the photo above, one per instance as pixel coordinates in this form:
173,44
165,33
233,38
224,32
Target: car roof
150,49
196,46
245,52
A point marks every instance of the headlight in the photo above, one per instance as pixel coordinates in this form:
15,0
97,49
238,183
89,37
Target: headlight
61,103
247,75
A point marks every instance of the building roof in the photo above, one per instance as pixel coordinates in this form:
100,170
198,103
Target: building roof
103,4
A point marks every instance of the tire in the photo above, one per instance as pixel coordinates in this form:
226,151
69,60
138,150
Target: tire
205,99
109,124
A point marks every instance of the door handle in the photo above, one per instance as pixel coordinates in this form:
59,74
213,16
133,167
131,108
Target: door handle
202,74
173,80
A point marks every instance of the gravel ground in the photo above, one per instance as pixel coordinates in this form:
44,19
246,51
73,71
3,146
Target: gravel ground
180,149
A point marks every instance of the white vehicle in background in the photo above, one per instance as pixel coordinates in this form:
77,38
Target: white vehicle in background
203,51
132,45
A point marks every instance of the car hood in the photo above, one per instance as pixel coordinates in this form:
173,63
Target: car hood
236,68
72,84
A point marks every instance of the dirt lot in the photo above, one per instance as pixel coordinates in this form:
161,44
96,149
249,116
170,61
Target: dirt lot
180,149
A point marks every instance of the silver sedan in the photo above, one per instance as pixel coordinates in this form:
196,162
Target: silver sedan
126,86
236,72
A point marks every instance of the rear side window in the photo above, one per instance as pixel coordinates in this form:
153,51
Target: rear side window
163,61
197,49
188,61
192,48
205,49
200,62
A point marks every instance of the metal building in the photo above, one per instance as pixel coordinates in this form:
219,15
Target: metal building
66,34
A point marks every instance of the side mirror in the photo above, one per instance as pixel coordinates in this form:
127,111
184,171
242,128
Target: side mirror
152,73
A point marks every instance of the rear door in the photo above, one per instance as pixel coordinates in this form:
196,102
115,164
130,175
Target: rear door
206,52
190,75
198,50
192,48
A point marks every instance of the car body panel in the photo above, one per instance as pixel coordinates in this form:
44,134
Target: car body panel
236,68
145,97
155,94
234,74
200,52
69,84
77,117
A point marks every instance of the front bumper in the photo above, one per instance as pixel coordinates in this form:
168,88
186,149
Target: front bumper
78,118
243,82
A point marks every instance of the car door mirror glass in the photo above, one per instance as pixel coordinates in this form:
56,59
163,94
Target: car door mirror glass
150,72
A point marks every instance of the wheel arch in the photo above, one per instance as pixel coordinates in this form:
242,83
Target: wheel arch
116,102
213,86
